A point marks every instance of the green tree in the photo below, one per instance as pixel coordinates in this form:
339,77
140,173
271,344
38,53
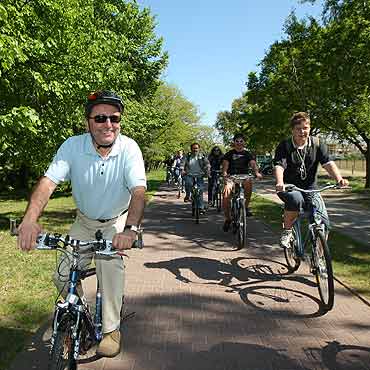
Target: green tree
52,53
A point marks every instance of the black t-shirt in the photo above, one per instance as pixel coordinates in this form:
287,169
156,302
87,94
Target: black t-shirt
238,161
215,162
300,165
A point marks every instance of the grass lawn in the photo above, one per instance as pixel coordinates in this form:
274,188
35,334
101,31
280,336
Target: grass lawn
351,259
357,184
26,291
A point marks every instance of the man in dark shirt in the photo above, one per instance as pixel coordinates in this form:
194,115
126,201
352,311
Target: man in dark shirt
296,162
237,162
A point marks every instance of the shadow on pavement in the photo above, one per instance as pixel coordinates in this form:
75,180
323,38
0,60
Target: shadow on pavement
236,356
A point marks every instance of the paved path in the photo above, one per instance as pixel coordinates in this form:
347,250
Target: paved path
200,305
347,212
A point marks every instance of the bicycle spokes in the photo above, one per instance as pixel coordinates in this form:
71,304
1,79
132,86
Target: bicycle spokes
322,268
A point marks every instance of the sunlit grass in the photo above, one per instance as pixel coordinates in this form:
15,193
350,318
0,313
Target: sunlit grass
351,259
26,290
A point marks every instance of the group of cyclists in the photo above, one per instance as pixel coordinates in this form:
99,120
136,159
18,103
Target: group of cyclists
107,173
295,162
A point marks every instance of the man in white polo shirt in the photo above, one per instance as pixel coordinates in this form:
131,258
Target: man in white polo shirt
107,174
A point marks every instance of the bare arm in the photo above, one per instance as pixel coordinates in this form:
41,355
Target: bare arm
125,239
136,207
225,167
279,177
29,229
255,169
333,171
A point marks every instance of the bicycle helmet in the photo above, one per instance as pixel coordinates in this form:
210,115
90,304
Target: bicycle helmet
103,97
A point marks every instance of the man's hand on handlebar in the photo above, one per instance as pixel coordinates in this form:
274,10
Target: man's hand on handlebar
343,183
279,187
123,240
258,175
27,235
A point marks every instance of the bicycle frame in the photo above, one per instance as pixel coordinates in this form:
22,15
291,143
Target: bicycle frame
238,209
237,198
76,307
316,235
315,222
216,187
196,194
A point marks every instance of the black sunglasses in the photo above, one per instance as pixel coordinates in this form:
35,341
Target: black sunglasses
102,118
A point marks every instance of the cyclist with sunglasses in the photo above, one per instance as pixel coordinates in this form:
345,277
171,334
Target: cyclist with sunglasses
237,161
107,174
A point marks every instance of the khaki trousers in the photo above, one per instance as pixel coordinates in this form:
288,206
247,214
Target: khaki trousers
110,271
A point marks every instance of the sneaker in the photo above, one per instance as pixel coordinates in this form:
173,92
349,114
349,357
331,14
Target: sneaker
285,238
110,345
226,226
248,212
202,211
186,199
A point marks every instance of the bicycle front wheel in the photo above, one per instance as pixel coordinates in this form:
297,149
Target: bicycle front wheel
291,258
323,271
218,200
242,228
195,209
61,355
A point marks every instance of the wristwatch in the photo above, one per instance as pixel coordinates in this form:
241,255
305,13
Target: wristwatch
132,228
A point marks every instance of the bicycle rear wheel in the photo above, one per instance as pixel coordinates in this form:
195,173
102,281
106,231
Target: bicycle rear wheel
62,353
323,271
292,260
242,228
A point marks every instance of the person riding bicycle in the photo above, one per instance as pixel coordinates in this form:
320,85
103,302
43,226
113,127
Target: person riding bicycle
170,165
237,161
179,157
215,160
296,162
194,164
106,170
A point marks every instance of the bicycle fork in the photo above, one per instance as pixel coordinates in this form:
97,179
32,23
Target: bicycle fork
315,258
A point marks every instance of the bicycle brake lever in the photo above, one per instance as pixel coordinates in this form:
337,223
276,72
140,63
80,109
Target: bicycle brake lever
43,241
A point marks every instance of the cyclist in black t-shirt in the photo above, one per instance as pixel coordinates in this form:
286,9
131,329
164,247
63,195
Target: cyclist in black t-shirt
237,161
296,162
215,160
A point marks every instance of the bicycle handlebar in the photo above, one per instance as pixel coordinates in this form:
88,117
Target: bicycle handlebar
240,178
49,241
291,187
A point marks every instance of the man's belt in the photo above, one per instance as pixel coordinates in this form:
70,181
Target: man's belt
113,218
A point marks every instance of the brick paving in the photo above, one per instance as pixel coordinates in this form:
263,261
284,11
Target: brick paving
200,304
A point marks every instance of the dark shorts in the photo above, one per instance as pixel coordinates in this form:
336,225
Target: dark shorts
297,201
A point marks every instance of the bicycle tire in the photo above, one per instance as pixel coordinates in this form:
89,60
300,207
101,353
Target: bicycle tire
218,200
292,260
196,208
234,216
242,228
323,271
197,215
61,355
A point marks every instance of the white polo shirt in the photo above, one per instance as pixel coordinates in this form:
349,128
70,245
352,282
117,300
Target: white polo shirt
100,186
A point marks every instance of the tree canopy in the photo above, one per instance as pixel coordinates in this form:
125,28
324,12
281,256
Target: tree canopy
53,53
321,66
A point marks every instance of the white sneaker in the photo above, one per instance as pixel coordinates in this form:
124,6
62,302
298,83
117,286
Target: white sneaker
286,237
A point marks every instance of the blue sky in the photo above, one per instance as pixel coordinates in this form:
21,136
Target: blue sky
214,44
